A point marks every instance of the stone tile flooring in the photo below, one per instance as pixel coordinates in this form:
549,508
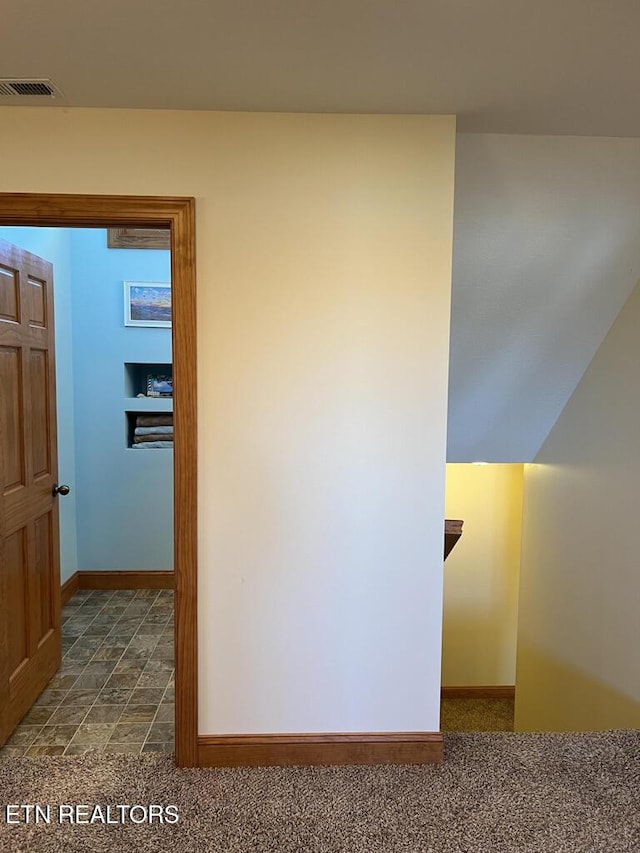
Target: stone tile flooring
115,691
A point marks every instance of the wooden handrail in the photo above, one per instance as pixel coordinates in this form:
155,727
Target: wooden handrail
452,532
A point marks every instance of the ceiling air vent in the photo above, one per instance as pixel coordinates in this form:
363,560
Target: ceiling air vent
12,87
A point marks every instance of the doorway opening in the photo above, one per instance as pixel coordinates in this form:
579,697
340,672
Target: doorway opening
480,597
33,479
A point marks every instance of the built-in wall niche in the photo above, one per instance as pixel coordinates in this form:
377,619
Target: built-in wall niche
148,430
145,380
148,421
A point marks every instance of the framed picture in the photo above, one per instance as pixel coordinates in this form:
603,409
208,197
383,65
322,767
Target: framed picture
159,386
138,238
147,303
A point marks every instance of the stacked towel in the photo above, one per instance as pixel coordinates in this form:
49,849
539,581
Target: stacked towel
153,432
155,420
154,445
145,439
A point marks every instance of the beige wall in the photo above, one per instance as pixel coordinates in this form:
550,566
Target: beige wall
324,254
481,575
578,666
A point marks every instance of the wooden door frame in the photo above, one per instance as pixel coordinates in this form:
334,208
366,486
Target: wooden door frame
90,211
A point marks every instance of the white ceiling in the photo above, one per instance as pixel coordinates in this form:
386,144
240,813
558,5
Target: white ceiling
546,251
503,66
546,245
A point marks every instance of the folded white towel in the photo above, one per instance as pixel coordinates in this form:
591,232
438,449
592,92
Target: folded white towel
151,445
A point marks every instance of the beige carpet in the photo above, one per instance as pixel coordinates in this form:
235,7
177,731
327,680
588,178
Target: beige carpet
476,715
496,793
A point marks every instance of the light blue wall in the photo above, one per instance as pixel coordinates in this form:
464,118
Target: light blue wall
124,496
119,514
54,244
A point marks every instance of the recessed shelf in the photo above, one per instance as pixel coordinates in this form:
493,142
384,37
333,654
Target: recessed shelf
136,375
148,404
144,411
146,419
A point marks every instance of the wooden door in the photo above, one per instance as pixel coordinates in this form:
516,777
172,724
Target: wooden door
30,642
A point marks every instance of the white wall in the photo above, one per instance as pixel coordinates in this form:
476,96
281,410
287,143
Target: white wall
578,665
54,245
481,575
324,252
546,252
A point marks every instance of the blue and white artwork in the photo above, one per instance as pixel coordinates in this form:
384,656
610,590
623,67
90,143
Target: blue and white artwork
147,303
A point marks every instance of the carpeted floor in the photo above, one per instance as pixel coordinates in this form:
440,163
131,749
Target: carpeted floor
476,715
495,793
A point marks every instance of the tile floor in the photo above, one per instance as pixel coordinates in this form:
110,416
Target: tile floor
115,690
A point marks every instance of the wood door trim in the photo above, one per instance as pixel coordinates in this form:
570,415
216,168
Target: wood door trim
495,691
179,215
325,748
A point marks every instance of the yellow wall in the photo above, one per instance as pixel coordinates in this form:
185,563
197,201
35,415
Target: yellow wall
481,575
324,274
578,637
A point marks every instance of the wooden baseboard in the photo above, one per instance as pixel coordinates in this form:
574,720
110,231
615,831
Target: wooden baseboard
126,580
499,691
315,749
69,587
117,580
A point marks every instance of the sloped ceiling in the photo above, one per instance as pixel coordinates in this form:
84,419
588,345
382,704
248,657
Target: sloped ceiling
547,228
546,252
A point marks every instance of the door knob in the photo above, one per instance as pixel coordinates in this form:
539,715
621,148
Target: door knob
61,490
